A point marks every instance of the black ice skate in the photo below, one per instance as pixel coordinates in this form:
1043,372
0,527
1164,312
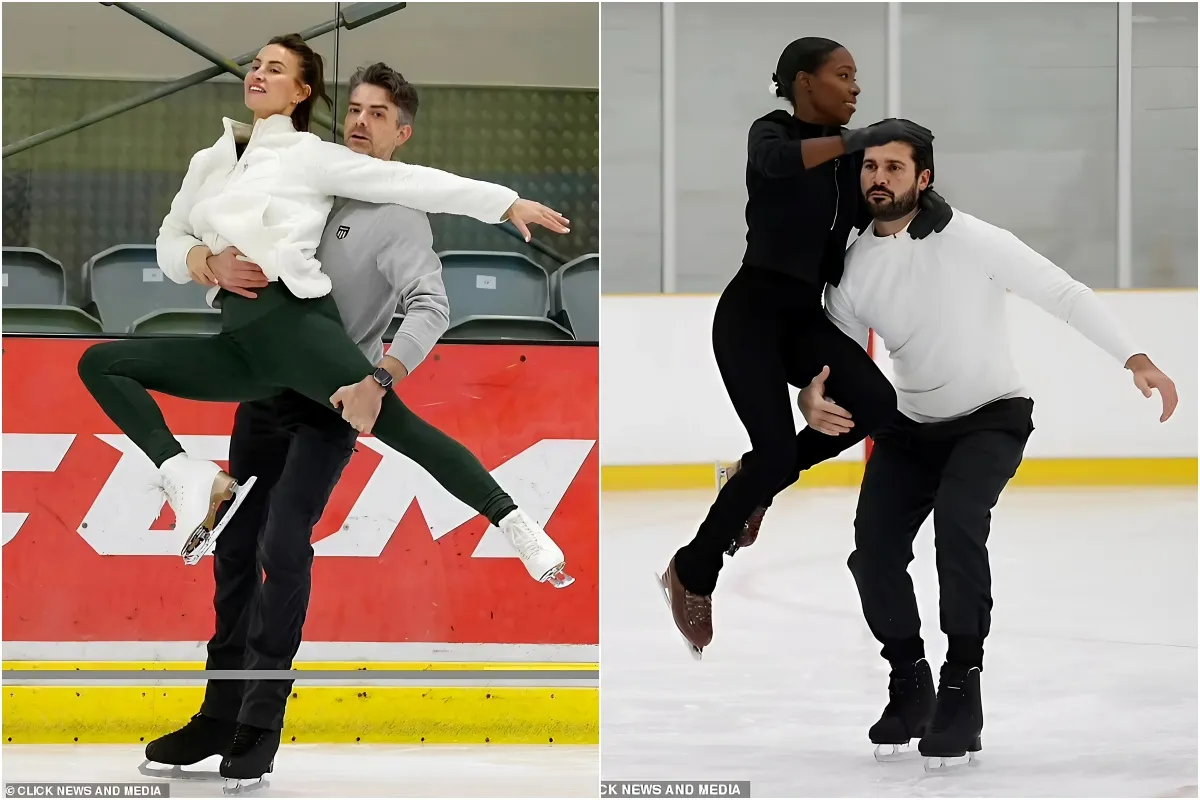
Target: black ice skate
957,720
750,529
911,701
203,737
250,759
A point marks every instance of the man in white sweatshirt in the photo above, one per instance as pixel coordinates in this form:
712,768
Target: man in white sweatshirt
964,419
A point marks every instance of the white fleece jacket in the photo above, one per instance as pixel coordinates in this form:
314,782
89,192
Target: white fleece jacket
273,203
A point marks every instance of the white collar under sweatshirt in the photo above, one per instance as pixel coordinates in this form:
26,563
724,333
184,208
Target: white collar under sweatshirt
939,305
272,204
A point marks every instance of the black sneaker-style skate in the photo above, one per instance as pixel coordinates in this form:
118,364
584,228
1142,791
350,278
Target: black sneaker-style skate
911,701
250,759
957,720
203,737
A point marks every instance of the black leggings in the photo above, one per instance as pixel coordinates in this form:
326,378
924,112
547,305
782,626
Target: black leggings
769,331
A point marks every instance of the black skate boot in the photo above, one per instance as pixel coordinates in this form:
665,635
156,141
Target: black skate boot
250,759
909,711
201,738
957,721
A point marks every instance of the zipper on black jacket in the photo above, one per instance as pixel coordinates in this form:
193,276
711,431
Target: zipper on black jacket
837,197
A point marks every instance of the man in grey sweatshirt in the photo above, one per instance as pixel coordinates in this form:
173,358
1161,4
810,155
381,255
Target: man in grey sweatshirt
379,258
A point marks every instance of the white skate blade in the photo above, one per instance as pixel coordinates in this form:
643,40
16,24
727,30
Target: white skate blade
696,652
886,753
205,545
245,785
938,765
174,771
557,578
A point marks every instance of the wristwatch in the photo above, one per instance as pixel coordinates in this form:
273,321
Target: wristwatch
383,377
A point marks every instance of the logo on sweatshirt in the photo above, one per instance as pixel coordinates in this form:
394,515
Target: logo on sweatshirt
342,231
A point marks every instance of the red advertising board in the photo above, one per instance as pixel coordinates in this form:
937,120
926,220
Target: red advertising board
397,558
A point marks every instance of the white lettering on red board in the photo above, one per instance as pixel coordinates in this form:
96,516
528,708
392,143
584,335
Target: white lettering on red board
31,452
120,519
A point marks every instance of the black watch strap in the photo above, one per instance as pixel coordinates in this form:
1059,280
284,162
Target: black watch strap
383,377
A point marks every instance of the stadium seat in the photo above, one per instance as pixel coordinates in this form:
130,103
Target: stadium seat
30,318
576,293
127,285
176,321
32,278
481,283
495,327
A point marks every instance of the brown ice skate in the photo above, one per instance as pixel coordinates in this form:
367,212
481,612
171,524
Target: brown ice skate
750,529
692,612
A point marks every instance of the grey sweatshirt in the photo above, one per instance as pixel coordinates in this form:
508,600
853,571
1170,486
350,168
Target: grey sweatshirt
380,259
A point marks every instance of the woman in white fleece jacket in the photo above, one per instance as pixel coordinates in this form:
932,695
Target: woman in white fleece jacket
267,190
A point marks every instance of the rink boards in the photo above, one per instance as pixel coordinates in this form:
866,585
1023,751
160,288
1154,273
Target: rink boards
423,625
1093,427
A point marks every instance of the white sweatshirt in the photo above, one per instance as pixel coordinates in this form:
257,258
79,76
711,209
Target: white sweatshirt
939,304
273,203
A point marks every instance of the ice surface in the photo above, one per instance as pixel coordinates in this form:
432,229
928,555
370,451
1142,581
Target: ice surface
342,770
1090,681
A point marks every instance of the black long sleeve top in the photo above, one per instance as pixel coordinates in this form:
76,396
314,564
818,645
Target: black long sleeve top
799,219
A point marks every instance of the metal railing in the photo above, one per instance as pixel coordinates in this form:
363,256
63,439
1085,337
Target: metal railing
351,16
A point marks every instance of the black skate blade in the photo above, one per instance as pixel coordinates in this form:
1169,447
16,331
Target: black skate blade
696,652
888,753
176,772
234,786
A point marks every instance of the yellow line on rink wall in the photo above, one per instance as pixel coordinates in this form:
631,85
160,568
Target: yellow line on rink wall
315,714
1064,472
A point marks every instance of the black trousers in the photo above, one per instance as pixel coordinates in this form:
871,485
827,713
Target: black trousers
298,449
956,470
770,331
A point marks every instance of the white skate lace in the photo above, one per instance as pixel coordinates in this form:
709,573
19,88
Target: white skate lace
173,492
525,540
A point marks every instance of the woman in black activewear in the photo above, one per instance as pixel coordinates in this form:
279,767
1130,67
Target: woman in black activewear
770,329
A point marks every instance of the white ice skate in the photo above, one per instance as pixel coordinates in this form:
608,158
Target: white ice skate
195,490
541,556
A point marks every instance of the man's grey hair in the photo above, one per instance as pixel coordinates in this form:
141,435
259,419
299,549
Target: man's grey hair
402,93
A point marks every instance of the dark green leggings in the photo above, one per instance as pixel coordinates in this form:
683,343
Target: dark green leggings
269,344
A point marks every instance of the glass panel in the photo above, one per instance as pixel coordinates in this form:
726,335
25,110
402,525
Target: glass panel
514,100
1024,107
1164,145
632,110
726,55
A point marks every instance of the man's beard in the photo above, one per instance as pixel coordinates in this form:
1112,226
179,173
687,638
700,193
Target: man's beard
892,208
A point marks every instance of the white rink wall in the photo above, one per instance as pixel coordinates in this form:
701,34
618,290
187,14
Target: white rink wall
663,403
